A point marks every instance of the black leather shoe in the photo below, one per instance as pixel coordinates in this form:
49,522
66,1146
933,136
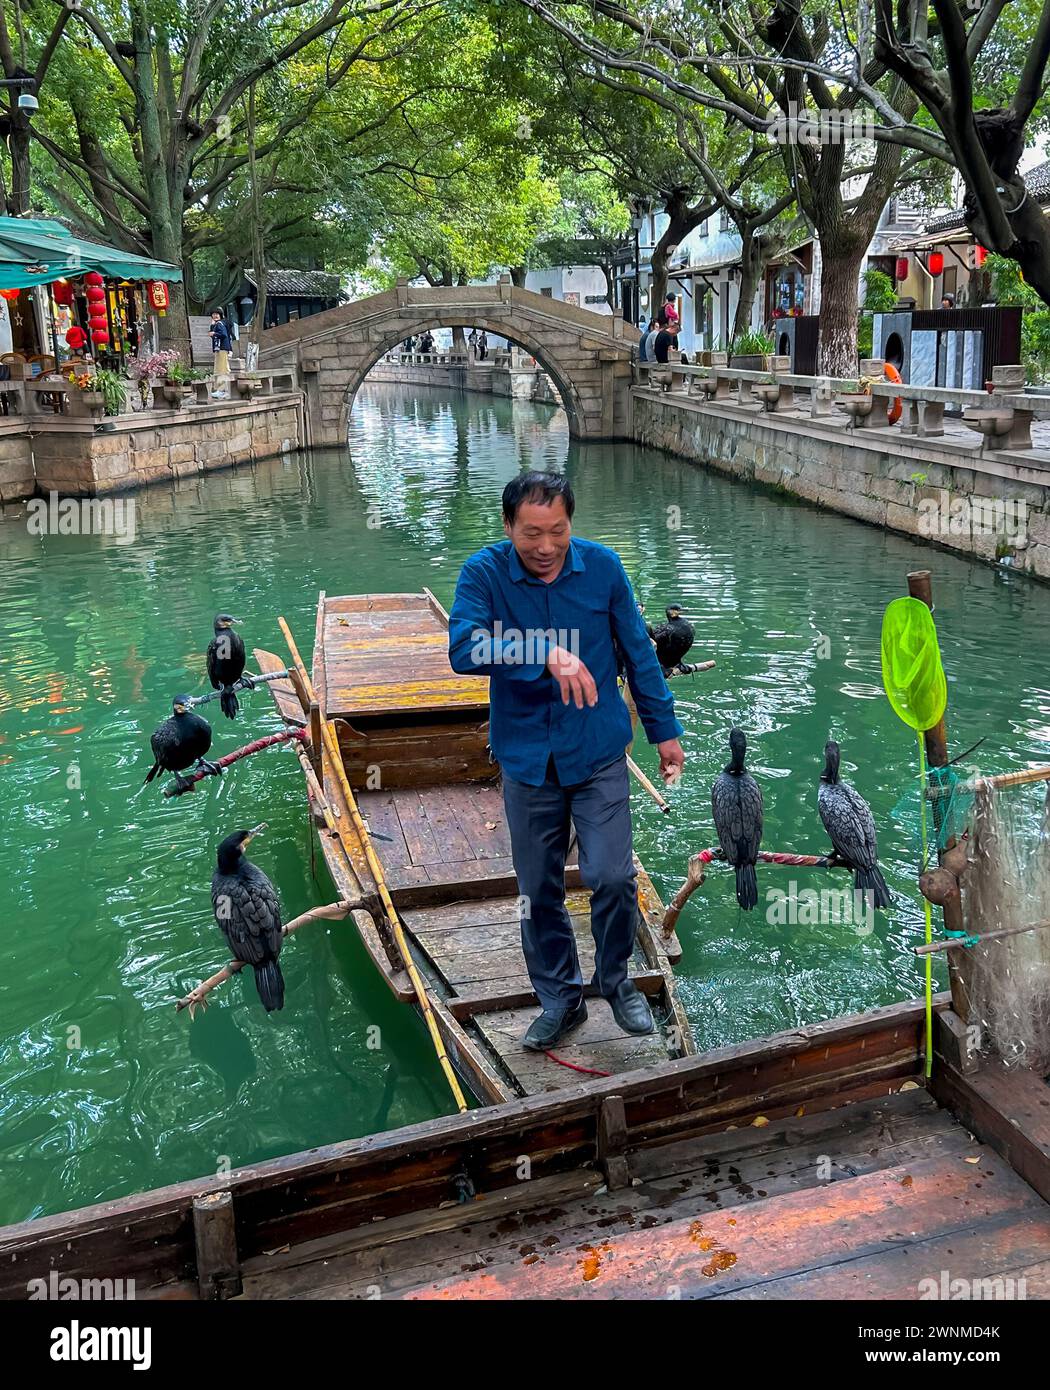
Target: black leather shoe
551,1027
630,1009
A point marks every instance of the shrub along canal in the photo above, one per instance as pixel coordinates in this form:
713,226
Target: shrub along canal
105,888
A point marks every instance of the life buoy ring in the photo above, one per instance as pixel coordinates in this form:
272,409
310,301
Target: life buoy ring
893,414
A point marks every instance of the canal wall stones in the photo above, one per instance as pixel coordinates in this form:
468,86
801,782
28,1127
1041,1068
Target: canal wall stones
994,509
518,383
16,462
74,457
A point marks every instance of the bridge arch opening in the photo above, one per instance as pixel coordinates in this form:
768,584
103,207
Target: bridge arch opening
495,328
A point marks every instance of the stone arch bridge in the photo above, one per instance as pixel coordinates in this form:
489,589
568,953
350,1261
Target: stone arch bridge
587,355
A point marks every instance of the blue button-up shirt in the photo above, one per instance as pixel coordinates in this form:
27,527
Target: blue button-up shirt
504,622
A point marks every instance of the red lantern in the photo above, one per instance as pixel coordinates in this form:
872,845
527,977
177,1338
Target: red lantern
902,268
96,296
936,262
158,294
99,335
98,321
10,295
980,255
93,278
76,338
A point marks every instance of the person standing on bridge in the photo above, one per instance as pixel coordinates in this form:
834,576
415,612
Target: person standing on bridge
483,345
220,347
545,615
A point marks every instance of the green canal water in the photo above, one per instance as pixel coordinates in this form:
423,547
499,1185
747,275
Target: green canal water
104,890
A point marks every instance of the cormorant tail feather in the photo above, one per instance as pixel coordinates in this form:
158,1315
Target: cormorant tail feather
228,702
746,886
270,983
871,881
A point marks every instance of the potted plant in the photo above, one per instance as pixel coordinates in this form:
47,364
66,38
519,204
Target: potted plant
751,352
90,392
145,369
112,387
176,380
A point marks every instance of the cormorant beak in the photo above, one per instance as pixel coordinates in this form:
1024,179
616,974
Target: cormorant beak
255,830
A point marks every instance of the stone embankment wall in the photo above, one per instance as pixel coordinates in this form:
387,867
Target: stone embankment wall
75,457
992,507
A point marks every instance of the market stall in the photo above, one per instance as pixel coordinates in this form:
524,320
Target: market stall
65,301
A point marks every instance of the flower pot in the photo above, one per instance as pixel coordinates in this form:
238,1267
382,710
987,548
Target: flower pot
751,362
145,392
247,387
94,400
174,393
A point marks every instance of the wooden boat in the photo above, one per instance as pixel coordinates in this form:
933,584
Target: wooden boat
813,1164
413,744
816,1163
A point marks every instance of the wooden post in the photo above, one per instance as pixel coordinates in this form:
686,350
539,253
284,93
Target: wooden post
215,1238
612,1143
936,740
315,739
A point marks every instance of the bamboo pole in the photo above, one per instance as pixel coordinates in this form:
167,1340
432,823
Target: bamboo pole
331,743
920,586
653,792
695,874
198,996
961,943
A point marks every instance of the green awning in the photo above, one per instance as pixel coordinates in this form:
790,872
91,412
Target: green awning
37,251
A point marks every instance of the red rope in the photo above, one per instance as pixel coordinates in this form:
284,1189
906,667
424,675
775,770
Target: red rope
708,856
589,1071
238,753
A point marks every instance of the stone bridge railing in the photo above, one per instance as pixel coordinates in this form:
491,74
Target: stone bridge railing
1002,418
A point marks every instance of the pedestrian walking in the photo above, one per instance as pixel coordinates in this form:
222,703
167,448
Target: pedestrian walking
483,345
221,344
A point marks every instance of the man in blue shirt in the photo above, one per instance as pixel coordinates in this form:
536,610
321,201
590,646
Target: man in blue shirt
546,616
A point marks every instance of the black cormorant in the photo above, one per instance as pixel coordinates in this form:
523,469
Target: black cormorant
180,742
736,803
673,639
248,910
848,820
226,662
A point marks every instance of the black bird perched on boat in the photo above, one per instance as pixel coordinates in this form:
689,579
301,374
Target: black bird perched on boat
736,803
181,741
673,640
248,911
848,820
226,660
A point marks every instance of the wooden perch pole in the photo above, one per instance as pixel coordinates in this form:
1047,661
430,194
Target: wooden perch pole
698,863
198,997
962,943
245,683
299,735
335,758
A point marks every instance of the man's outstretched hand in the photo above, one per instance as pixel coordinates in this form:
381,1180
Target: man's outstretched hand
573,678
672,760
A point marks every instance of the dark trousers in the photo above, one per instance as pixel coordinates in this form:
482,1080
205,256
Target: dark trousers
538,820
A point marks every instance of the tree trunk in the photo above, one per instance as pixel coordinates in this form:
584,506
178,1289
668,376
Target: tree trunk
753,261
258,238
18,148
517,276
839,304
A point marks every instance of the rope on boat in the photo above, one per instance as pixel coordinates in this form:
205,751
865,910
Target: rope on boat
257,746
588,1071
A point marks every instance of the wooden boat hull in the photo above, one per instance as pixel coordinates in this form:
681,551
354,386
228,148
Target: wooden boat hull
418,769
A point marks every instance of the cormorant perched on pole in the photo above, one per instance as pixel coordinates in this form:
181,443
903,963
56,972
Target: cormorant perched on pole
248,910
848,820
181,741
736,803
673,639
226,660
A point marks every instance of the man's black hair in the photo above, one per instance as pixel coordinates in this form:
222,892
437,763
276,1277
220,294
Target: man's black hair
537,487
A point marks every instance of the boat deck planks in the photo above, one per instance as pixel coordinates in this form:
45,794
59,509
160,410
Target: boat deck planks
389,656
900,1202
